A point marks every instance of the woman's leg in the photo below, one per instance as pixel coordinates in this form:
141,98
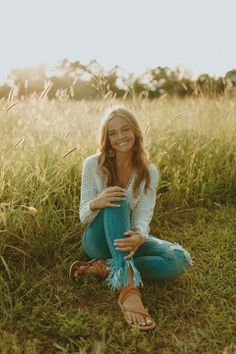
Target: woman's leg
110,224
158,259
94,239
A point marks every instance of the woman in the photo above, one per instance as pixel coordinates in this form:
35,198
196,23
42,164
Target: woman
118,194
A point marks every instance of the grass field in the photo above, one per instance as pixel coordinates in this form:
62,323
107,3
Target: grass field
43,144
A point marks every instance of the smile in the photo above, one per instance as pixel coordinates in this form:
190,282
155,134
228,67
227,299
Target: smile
124,142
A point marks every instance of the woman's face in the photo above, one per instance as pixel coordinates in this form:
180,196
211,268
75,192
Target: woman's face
120,135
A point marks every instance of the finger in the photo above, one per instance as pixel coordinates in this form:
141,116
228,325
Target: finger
110,205
113,199
130,255
124,249
129,233
116,194
115,189
127,240
125,243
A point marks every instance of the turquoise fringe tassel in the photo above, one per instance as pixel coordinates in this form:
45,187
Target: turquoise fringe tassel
120,277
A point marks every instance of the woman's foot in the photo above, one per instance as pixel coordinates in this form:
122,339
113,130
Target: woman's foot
133,309
96,267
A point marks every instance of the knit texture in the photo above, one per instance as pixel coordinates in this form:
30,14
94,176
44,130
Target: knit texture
141,207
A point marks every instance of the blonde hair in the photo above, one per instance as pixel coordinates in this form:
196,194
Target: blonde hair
107,163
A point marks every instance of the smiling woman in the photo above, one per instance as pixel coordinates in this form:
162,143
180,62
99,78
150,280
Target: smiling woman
118,194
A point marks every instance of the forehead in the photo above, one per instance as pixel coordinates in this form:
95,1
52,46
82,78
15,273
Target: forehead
116,123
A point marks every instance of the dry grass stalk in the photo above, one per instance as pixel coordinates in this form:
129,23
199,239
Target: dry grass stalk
66,136
165,95
8,109
146,128
49,140
11,95
29,177
33,210
84,114
45,91
177,116
18,142
72,91
69,152
166,132
172,145
184,86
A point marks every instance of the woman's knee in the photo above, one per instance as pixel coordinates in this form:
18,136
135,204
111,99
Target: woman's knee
124,204
180,258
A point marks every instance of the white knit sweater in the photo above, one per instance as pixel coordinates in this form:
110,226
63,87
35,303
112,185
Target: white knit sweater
141,207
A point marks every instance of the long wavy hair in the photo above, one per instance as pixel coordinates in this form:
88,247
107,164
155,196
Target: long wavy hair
107,156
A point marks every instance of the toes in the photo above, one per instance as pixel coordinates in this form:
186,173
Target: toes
129,317
138,319
141,321
148,321
133,318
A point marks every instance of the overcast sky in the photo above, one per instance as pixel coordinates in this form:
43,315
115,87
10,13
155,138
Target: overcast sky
199,35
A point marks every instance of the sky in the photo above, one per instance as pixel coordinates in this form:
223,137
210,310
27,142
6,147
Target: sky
197,35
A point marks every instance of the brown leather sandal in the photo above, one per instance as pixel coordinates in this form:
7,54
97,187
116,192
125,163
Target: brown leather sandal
126,292
78,268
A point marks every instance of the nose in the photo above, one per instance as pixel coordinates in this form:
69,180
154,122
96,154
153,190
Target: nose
120,135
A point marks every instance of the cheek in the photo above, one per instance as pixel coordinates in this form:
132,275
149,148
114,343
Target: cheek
111,141
132,137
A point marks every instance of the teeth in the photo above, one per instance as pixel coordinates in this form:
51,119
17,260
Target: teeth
123,143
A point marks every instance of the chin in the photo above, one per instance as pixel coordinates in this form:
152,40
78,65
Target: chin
124,150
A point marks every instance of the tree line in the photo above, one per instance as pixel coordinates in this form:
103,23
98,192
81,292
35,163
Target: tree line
77,81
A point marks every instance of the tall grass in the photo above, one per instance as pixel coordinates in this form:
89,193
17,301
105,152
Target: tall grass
192,142
43,144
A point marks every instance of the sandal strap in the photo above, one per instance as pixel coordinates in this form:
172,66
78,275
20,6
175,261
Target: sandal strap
126,292
99,265
144,313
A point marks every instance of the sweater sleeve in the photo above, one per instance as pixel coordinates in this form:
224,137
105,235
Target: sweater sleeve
88,192
143,212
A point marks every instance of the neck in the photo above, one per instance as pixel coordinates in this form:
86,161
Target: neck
124,160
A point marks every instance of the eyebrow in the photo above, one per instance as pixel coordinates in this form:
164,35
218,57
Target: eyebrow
113,130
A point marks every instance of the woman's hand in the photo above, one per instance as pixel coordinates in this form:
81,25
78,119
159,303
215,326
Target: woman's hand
108,195
129,244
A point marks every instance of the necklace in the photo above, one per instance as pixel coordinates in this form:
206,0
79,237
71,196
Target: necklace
128,171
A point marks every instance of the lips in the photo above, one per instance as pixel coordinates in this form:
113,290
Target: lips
123,142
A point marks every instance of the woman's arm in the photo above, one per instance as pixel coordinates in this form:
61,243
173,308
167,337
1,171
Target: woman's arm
88,192
91,201
143,212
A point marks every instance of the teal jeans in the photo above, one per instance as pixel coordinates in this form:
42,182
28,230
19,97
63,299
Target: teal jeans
155,259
